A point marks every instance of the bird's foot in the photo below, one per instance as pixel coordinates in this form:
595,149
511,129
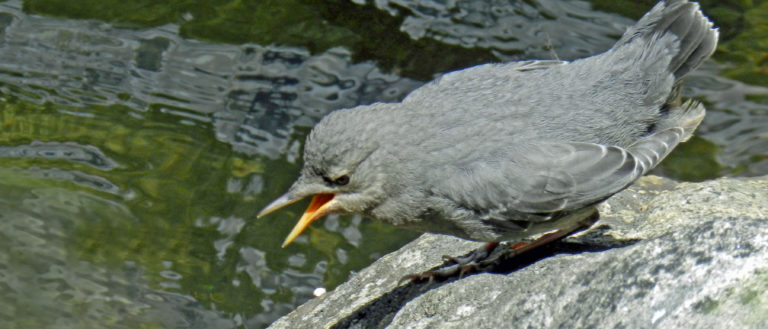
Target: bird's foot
475,261
490,255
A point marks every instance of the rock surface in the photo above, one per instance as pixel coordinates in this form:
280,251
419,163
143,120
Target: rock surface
662,255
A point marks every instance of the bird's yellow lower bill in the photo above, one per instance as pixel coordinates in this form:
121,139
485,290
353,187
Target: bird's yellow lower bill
318,207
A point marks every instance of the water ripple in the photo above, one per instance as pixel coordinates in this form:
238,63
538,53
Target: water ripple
254,95
71,151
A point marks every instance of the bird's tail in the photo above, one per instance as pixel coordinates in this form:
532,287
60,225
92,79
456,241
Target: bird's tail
696,37
676,128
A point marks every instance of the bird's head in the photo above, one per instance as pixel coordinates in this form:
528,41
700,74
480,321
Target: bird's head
341,170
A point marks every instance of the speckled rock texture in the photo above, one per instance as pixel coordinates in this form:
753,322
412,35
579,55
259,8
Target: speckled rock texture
662,255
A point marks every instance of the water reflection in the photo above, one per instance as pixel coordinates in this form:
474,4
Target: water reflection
46,284
132,162
736,122
69,151
514,30
254,96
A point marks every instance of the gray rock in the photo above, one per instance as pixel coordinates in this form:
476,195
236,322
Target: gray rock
663,255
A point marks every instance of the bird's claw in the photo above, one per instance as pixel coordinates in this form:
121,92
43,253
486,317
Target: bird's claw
476,261
451,259
484,258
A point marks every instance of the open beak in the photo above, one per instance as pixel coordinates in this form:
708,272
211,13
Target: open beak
318,207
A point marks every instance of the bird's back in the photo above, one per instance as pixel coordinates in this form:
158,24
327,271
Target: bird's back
613,98
496,146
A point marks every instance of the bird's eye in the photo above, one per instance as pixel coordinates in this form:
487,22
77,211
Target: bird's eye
342,180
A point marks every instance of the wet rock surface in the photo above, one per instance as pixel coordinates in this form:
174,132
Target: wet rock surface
663,255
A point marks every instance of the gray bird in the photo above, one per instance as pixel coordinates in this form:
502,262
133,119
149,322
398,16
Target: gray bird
506,152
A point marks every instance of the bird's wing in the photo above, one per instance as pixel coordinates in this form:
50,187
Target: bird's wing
548,177
556,177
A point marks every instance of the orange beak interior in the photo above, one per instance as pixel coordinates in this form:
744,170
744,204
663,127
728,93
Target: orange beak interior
318,207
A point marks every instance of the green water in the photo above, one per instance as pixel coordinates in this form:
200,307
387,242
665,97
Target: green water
133,207
157,195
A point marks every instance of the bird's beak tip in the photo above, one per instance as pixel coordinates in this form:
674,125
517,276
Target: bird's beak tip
280,202
264,212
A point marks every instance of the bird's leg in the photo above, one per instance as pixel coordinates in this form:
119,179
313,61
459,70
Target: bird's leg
482,258
523,246
460,265
479,253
